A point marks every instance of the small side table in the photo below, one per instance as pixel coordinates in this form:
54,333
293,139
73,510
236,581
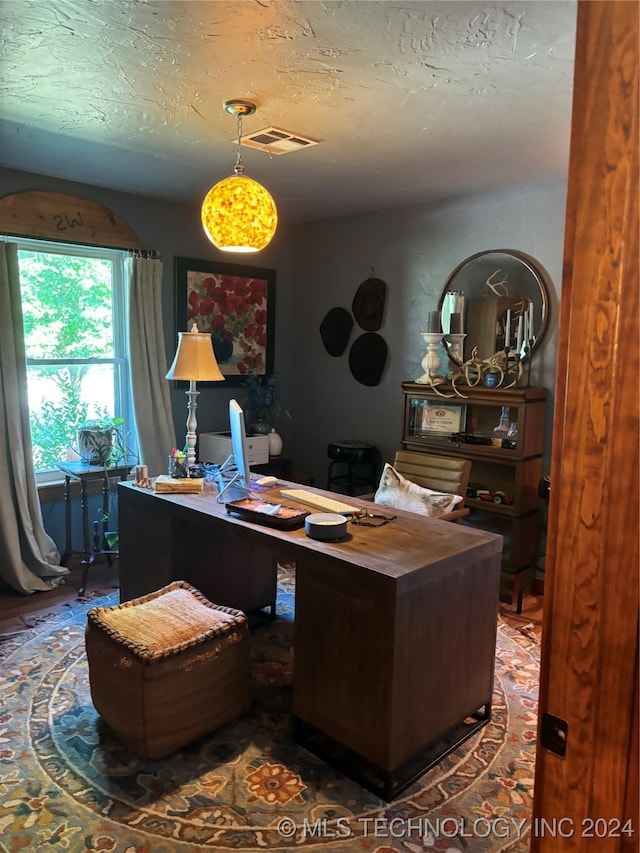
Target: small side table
84,473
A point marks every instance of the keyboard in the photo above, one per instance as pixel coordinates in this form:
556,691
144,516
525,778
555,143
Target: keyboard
318,501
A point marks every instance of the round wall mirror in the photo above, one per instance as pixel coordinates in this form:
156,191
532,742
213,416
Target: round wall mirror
495,301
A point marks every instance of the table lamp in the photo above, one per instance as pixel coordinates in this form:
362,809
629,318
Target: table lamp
194,362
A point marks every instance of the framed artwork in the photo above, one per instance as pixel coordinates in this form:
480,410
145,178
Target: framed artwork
236,304
442,418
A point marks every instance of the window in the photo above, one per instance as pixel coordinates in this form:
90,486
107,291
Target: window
74,331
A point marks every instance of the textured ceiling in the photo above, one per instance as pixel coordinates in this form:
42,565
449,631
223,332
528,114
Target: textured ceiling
410,101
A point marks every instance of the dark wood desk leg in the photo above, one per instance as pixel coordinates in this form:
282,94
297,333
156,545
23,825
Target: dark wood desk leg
88,554
67,522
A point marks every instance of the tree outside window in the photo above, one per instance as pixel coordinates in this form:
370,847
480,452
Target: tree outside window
73,316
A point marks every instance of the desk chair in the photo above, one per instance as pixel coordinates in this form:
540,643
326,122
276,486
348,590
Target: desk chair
440,473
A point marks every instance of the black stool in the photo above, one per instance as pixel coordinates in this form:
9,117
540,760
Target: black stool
360,459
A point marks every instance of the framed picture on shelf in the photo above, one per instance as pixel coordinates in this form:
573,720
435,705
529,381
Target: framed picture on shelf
443,418
236,305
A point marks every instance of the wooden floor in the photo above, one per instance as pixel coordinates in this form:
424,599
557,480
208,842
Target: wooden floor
18,612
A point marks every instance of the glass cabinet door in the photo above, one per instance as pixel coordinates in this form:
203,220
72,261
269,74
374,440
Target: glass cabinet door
489,426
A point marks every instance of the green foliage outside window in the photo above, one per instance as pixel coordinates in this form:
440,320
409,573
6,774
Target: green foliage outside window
67,315
53,425
66,306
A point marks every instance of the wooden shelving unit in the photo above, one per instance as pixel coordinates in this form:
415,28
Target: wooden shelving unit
508,468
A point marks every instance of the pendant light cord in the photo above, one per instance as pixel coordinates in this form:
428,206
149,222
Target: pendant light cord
239,168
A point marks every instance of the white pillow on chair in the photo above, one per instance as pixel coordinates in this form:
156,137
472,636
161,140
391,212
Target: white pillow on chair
397,492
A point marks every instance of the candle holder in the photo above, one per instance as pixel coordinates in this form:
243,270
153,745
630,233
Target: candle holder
511,367
517,368
505,380
527,347
454,344
431,361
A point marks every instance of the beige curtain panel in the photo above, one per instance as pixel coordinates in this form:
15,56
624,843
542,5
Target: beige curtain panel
29,558
149,387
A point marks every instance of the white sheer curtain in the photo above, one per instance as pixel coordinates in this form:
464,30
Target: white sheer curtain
150,389
29,558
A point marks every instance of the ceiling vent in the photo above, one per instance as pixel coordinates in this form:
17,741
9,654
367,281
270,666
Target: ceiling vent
277,141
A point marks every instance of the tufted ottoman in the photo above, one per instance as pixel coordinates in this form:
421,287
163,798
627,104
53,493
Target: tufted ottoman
167,668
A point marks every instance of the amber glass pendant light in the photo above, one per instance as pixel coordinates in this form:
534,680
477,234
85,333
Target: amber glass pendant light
238,214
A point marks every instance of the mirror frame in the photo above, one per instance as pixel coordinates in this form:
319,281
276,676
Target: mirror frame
533,282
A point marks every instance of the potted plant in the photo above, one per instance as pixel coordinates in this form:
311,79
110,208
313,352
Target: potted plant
102,441
262,407
261,402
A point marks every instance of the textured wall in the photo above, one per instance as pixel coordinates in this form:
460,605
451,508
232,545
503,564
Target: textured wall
410,101
413,249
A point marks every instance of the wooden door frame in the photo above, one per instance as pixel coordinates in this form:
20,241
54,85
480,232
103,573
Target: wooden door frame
589,668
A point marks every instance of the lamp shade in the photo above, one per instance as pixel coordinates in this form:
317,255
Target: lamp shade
194,358
239,215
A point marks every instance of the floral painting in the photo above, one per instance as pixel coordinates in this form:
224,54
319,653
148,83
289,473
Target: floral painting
235,305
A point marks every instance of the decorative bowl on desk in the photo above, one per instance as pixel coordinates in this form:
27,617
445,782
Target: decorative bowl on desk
325,526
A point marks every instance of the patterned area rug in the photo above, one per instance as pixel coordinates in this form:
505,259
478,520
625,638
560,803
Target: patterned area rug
67,784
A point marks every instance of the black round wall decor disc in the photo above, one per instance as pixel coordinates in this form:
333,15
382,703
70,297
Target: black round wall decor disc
335,330
368,304
367,357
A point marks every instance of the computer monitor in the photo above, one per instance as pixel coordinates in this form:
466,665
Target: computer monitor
237,465
239,443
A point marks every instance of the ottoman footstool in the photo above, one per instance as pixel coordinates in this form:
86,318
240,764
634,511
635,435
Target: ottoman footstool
167,668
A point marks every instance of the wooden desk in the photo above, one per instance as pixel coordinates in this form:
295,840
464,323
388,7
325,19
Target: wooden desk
395,626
